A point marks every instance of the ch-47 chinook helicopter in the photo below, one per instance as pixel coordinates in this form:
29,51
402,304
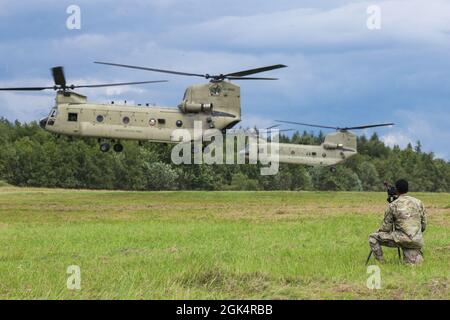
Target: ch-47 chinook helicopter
336,148
216,104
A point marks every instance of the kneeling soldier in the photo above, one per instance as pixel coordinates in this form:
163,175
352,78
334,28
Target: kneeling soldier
404,222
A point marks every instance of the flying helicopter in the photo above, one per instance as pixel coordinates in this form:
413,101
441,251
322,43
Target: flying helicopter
336,148
215,104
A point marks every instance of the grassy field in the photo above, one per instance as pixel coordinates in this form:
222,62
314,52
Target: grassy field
209,245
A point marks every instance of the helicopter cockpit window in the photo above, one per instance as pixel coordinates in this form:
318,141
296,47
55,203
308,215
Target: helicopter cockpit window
72,117
53,113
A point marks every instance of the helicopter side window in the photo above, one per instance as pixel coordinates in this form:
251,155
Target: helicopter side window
72,117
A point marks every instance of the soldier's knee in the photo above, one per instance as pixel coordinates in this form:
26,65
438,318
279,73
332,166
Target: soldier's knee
373,238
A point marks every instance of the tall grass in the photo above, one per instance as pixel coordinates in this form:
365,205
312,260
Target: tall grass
209,245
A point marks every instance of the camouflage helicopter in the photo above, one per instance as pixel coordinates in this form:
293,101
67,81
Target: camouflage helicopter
216,104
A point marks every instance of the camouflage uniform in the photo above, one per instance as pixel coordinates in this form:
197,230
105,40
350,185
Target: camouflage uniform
404,222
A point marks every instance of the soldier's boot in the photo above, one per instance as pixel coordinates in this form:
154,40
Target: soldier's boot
412,256
376,249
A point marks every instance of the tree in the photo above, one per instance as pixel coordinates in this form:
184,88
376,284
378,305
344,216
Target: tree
341,180
31,156
242,182
160,176
368,174
418,147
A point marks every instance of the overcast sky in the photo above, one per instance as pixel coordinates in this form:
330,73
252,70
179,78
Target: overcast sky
339,72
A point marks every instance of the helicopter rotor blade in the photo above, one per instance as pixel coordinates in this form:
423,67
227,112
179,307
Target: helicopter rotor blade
60,83
115,84
285,130
307,124
253,71
231,76
279,131
268,130
338,128
26,89
368,126
151,69
58,76
80,86
249,78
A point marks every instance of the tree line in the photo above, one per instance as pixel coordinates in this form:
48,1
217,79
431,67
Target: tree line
33,157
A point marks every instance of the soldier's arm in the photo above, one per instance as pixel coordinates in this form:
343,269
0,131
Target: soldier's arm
388,220
423,217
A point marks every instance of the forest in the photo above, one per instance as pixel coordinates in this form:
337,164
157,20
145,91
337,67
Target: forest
33,157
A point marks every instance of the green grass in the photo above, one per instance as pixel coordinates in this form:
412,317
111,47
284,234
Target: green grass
209,245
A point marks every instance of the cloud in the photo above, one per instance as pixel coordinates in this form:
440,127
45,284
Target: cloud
397,138
337,29
27,108
418,125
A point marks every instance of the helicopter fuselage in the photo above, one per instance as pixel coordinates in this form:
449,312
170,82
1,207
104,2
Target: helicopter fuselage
215,105
336,148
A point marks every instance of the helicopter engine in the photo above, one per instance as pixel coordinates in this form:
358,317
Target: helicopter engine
192,107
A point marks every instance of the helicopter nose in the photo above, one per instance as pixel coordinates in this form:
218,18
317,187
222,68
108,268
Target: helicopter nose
43,122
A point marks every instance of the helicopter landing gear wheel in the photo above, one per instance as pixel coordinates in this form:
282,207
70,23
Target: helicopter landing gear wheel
333,169
118,147
104,147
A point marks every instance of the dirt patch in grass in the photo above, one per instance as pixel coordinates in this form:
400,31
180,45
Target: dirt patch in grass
439,288
220,280
347,288
443,248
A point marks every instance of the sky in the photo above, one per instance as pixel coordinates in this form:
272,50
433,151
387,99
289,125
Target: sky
340,72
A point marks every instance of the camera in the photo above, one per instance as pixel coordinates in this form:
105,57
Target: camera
391,191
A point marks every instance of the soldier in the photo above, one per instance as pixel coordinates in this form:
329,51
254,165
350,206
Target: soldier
404,222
